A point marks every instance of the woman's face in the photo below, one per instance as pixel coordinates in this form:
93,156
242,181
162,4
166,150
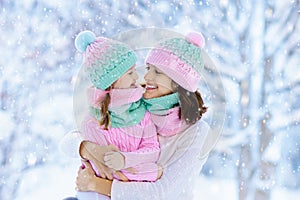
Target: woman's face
127,80
157,83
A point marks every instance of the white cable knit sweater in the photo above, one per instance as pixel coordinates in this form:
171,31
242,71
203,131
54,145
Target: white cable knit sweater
177,180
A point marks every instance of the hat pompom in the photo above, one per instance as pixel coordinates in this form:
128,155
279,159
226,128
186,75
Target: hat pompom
84,39
196,39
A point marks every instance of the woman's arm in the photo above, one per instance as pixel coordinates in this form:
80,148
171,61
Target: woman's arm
170,186
95,153
87,181
176,181
177,178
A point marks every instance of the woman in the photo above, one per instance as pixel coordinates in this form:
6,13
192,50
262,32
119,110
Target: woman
176,108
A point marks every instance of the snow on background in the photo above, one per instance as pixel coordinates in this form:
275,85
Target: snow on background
255,45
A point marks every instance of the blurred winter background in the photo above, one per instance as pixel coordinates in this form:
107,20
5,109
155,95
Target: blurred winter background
255,45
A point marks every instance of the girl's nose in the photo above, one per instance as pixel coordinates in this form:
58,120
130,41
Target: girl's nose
135,76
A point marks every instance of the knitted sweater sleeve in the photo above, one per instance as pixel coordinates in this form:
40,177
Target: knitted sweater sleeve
91,131
148,150
176,181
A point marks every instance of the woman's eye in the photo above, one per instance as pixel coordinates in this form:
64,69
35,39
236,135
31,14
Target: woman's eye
158,72
147,68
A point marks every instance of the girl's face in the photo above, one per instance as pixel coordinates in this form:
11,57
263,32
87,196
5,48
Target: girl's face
157,83
127,80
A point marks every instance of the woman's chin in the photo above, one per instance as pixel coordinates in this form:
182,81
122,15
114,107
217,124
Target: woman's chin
150,95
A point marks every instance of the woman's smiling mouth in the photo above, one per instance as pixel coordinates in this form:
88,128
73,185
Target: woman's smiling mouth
151,87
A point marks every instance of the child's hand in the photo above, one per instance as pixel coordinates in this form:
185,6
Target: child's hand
114,160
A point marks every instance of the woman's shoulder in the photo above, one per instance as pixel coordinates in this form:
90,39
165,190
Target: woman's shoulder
199,131
208,135
202,125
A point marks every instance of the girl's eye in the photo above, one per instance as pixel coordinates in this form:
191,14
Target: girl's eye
147,68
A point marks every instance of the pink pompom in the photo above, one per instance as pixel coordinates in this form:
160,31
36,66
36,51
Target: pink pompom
196,39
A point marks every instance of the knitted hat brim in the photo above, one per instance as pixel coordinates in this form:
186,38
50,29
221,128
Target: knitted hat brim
175,68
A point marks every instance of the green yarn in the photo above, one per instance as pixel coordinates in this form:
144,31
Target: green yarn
123,116
187,52
161,105
111,65
83,39
131,116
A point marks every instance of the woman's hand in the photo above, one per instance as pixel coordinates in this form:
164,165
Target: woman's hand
87,181
85,178
104,171
95,153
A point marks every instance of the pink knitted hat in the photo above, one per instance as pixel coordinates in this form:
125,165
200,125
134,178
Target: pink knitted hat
180,59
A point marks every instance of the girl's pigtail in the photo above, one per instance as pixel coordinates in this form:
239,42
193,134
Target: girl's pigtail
104,113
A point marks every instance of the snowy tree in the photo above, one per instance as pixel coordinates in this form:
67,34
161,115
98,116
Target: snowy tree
254,44
36,75
258,49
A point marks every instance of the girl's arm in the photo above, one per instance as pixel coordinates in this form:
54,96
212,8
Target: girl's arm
148,151
94,146
91,131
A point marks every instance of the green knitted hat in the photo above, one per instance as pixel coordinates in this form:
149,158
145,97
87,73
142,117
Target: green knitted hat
105,60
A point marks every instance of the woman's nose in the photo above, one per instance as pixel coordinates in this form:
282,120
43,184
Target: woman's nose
147,76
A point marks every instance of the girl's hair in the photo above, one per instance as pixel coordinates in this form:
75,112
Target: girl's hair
105,118
191,105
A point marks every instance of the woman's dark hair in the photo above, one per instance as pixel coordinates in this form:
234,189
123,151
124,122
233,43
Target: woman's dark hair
191,105
105,118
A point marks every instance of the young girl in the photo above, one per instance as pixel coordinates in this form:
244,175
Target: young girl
117,115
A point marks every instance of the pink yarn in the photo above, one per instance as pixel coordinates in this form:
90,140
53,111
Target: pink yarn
95,96
180,72
196,39
96,50
119,97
